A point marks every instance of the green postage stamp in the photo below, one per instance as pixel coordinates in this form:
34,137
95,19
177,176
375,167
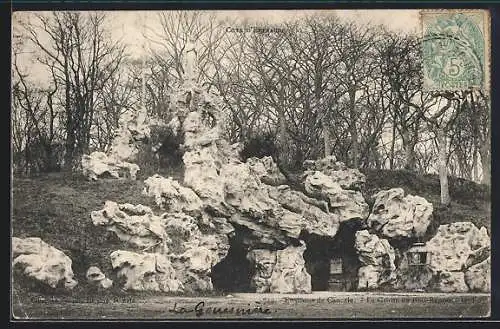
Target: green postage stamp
455,49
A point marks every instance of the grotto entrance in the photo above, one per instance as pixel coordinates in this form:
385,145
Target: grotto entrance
332,262
234,272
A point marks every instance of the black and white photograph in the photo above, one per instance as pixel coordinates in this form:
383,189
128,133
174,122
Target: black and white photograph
250,164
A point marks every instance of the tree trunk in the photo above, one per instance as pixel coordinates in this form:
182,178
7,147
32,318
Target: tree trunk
443,170
393,142
475,164
354,129
484,152
326,137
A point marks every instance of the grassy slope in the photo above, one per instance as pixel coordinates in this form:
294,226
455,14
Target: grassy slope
57,209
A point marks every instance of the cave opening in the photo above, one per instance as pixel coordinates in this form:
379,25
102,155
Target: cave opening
333,262
234,272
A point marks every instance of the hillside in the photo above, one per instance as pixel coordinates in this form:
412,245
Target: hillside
57,208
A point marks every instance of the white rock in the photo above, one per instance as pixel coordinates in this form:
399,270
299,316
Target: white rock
346,204
347,178
43,262
281,271
397,216
171,196
478,276
454,243
145,271
377,258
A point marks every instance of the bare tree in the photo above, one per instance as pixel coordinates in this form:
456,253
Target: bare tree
82,58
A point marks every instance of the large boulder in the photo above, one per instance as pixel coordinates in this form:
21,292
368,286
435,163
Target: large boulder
171,196
118,161
377,259
190,245
478,276
99,165
347,178
42,262
145,271
267,170
281,271
454,245
134,224
346,204
459,256
448,281
396,216
95,277
312,214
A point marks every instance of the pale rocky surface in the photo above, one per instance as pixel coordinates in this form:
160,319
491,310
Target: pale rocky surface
42,262
478,276
99,165
454,243
347,178
145,271
377,258
134,224
346,204
267,170
395,215
95,276
118,161
451,282
172,196
457,248
281,271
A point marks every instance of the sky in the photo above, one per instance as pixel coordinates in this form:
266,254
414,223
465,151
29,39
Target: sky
128,26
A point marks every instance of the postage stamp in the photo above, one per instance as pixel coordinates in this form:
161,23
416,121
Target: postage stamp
455,56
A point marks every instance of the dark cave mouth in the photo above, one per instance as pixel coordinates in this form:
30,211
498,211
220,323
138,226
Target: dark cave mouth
332,262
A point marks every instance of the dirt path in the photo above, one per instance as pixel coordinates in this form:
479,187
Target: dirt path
326,305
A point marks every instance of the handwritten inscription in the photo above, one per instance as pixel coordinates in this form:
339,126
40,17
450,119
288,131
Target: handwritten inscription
201,309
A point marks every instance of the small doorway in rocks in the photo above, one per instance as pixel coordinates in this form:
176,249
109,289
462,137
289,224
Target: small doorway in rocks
333,262
234,272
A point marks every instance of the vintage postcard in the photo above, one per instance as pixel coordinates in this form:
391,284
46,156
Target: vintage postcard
249,165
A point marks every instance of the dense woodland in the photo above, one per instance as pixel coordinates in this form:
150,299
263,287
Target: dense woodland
319,86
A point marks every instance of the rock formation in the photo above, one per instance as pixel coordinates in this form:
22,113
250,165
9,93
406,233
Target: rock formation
395,216
347,178
95,276
118,162
457,249
42,262
377,260
281,271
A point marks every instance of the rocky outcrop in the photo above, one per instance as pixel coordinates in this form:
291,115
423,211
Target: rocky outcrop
454,245
346,204
266,169
460,250
95,277
42,262
451,282
281,271
174,239
134,224
145,271
118,161
172,196
99,165
396,216
377,260
478,276
347,178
